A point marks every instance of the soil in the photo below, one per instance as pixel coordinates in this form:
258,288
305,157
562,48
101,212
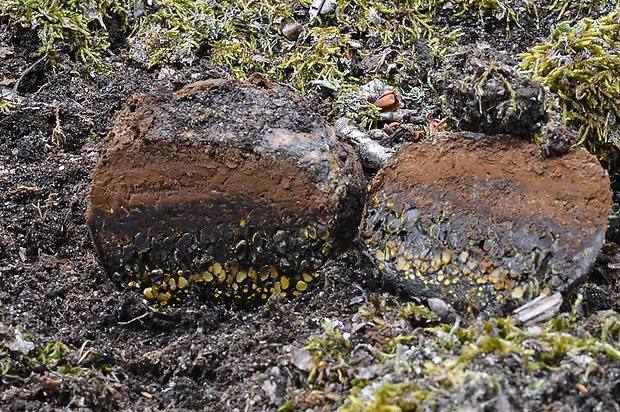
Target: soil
88,344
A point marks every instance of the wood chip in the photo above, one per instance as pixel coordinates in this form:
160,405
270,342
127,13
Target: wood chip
539,310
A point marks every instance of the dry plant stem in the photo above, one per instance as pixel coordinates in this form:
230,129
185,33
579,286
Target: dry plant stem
402,116
539,310
28,70
369,150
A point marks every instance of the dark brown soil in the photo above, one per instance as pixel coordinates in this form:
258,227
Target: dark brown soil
96,346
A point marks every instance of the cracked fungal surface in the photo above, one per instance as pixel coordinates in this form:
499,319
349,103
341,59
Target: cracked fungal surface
238,189
486,224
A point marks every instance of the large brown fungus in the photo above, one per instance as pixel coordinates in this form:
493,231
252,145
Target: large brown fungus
235,189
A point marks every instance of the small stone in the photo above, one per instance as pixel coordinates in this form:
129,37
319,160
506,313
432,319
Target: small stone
321,7
439,307
15,341
302,359
557,139
291,29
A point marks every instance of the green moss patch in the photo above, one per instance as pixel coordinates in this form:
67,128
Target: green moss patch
76,27
399,357
580,65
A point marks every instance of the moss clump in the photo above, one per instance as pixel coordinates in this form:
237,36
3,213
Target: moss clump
5,106
498,9
404,360
332,347
72,26
172,32
583,7
54,350
580,65
356,42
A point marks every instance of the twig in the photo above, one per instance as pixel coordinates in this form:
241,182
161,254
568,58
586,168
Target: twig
57,134
134,319
81,356
86,342
369,150
28,70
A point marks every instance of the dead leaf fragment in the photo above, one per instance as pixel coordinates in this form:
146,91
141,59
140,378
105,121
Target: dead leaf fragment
23,189
17,343
302,359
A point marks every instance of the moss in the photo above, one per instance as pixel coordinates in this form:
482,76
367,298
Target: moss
579,65
331,347
578,8
65,26
498,9
444,366
5,106
172,32
246,36
321,60
243,35
5,361
54,350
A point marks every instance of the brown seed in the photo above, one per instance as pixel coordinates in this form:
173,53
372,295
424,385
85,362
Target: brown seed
51,384
389,101
291,29
390,128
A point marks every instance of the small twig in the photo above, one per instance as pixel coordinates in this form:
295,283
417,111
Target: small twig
454,328
57,133
81,356
134,319
315,8
86,342
369,150
40,88
28,70
38,208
